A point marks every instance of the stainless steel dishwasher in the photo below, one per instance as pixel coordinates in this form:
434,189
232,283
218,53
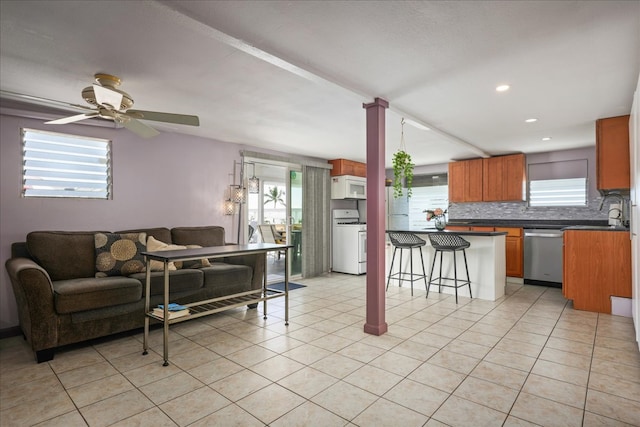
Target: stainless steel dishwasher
543,257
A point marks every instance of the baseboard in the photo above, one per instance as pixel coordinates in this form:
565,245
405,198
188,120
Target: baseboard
515,280
13,331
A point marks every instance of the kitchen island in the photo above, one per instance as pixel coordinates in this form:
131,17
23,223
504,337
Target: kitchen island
485,257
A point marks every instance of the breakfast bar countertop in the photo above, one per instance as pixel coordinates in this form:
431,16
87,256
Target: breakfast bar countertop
461,233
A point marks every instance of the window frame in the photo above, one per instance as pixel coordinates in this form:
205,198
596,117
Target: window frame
101,165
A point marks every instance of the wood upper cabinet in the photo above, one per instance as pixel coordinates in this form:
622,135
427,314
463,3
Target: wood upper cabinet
514,251
612,153
496,179
504,178
348,167
597,265
465,181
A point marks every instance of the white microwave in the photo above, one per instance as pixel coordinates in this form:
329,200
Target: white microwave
348,187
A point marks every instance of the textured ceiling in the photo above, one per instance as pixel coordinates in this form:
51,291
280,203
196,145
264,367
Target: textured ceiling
292,76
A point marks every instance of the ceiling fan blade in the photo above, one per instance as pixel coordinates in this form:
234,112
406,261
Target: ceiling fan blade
71,119
107,97
139,128
180,119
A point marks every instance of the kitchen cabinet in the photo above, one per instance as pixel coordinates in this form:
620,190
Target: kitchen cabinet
348,167
504,178
465,181
597,265
514,251
457,228
514,246
482,228
612,153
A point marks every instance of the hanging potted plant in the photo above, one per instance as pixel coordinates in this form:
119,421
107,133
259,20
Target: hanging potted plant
402,168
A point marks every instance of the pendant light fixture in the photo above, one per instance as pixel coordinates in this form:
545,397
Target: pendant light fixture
237,193
229,207
254,182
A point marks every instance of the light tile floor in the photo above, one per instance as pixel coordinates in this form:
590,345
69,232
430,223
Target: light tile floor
528,359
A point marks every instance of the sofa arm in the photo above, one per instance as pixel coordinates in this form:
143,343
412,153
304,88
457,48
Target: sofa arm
36,307
256,262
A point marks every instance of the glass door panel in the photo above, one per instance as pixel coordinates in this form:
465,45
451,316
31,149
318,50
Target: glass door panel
294,232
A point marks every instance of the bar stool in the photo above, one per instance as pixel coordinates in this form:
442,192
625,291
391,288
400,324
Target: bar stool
408,241
448,242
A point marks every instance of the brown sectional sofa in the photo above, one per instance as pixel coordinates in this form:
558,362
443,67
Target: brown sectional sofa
61,301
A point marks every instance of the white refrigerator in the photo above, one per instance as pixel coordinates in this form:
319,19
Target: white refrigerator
397,211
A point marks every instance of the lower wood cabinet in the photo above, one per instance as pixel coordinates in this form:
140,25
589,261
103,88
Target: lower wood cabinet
514,251
514,246
597,265
458,228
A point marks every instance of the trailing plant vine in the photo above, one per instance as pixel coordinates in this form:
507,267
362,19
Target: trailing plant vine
402,168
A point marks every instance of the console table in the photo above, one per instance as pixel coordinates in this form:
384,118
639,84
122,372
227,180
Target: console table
214,305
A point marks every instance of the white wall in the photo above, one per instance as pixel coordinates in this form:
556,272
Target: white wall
169,180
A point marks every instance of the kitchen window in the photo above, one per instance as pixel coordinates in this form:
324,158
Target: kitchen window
428,192
562,183
65,166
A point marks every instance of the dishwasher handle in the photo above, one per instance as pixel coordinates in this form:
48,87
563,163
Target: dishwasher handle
542,234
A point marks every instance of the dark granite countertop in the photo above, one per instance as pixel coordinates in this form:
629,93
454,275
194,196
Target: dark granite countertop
461,233
596,228
528,223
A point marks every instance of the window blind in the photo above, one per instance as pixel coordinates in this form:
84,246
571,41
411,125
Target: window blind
560,183
65,166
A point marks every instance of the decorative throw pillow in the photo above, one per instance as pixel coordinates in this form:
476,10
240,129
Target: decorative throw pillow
196,263
119,254
154,245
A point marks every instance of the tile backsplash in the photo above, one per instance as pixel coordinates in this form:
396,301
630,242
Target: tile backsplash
520,210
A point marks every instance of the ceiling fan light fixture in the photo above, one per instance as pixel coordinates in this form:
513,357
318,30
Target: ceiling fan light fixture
89,95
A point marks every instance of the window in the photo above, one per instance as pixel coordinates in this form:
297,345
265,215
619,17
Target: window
562,183
558,192
68,166
428,192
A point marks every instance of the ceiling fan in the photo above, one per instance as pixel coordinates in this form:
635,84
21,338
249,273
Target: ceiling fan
114,104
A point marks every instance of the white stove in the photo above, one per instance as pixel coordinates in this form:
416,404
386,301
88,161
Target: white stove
349,242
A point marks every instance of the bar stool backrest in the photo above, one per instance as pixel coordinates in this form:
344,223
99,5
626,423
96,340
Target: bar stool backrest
406,240
448,241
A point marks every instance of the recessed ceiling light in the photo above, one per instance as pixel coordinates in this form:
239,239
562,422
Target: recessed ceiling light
503,88
546,138
531,120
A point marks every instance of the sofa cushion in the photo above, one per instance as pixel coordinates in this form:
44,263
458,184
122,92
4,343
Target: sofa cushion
195,263
64,254
154,245
89,293
222,278
179,280
159,233
203,236
119,254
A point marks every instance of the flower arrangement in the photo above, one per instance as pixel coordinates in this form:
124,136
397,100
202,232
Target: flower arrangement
435,213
